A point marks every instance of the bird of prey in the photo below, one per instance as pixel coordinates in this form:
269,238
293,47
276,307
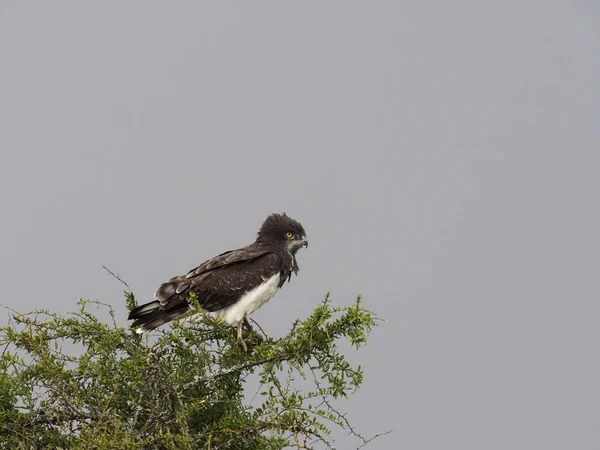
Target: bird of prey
231,285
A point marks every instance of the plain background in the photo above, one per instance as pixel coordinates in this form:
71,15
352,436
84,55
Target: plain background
442,156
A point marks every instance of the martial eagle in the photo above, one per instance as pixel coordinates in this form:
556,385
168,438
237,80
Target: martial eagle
234,284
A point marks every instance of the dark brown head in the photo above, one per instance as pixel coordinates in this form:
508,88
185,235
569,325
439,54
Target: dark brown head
283,230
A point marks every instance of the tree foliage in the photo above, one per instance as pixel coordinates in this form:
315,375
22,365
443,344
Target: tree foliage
76,382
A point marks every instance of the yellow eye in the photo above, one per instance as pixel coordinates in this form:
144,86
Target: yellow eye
289,234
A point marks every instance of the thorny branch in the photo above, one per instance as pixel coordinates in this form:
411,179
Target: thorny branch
117,277
343,418
373,438
259,327
9,308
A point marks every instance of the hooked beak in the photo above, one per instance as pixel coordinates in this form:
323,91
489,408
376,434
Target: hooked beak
305,243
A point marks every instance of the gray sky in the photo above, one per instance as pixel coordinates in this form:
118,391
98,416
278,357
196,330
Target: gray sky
442,156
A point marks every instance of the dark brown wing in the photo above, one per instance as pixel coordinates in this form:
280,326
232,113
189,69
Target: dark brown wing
220,281
224,286
248,253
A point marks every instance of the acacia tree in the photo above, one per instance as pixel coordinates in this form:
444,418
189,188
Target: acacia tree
76,382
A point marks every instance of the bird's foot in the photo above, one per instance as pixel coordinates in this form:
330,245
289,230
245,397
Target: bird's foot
252,339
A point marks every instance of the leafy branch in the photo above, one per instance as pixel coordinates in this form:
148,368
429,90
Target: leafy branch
75,381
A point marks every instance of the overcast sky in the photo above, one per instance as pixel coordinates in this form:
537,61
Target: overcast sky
442,156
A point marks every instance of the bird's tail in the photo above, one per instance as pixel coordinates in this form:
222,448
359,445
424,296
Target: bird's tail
151,315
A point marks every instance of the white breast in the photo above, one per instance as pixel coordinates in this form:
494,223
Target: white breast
250,301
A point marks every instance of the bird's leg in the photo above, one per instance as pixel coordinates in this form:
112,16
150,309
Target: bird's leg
239,336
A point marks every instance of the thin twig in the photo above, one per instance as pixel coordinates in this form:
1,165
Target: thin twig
117,277
375,437
344,419
259,327
9,308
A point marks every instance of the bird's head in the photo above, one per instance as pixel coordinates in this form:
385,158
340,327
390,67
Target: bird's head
283,230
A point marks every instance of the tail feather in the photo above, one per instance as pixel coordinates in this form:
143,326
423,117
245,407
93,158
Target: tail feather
143,310
149,316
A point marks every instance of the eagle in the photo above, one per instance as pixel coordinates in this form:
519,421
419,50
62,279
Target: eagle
231,285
